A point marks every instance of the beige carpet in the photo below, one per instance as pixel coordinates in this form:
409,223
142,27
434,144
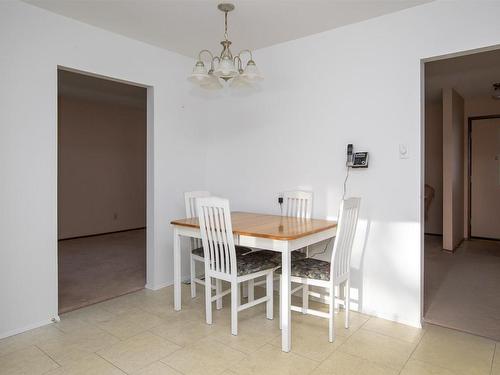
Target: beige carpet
462,289
94,269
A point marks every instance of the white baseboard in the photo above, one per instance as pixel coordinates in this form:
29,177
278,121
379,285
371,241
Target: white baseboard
376,314
166,283
29,327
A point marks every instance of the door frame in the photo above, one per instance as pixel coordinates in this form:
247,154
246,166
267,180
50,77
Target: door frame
469,171
150,189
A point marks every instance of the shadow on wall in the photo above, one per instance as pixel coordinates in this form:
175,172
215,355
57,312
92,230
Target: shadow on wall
357,263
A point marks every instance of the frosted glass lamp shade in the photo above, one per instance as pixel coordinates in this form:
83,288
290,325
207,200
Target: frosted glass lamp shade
199,74
240,82
226,68
212,83
251,72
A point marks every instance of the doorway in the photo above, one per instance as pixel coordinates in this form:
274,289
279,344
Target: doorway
462,193
484,177
102,162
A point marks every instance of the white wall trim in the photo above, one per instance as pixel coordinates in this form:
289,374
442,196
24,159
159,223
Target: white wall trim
150,188
29,327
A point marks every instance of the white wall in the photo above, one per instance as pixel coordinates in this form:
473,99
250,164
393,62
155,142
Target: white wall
358,84
33,43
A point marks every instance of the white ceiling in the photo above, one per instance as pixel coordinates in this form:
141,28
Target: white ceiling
471,75
188,26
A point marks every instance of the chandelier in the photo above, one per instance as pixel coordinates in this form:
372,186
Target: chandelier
224,68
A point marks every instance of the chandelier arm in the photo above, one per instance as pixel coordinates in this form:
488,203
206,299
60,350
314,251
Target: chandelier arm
243,52
247,51
211,57
237,60
206,51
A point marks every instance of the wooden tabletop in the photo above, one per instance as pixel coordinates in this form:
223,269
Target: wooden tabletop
268,226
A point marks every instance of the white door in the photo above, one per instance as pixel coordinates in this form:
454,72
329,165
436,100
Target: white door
485,179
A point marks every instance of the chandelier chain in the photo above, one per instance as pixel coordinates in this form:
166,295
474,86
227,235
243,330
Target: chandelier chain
225,25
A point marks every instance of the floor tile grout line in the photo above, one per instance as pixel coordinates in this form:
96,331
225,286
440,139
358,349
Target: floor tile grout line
385,335
357,356
493,358
413,351
112,364
166,364
431,363
169,341
47,354
92,325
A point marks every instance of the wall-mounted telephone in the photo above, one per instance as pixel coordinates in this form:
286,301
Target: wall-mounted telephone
356,159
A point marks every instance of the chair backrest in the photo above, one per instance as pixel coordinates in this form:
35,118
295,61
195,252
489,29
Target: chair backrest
190,202
217,235
346,229
298,204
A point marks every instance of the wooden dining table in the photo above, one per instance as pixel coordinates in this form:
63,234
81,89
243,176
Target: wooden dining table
282,234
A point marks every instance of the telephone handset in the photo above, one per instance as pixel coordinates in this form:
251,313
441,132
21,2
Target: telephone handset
356,159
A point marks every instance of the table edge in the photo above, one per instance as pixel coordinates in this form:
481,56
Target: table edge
268,236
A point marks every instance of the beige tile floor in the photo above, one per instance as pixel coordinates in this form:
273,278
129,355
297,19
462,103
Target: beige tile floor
140,334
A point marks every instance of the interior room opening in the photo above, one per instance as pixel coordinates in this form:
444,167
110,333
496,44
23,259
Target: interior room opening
462,193
102,159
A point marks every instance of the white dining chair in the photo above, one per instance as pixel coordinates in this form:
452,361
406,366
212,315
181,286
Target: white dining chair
328,275
223,263
196,254
298,204
295,204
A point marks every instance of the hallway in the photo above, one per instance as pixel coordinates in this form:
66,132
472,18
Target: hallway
462,289
94,269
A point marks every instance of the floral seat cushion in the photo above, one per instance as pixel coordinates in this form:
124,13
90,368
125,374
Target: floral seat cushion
296,255
254,262
310,268
240,250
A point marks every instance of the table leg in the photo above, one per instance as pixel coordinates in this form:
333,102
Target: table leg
177,270
286,331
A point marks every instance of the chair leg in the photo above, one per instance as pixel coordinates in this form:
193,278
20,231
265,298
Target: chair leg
244,292
251,290
208,299
331,312
347,302
281,307
234,308
336,292
269,293
218,290
305,298
193,276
